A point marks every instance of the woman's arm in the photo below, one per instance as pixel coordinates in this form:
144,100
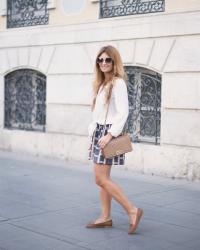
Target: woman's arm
122,108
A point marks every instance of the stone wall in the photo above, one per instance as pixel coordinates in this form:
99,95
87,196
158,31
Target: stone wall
167,44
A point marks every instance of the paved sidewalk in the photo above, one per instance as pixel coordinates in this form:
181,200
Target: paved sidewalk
45,204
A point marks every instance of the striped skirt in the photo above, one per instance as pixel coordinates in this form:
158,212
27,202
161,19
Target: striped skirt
95,152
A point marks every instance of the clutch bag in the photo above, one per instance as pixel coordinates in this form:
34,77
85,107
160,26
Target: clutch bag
117,146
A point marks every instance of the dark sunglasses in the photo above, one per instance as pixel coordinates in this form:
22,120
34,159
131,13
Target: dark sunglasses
106,60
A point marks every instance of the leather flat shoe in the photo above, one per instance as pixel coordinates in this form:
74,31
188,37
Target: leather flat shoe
107,223
133,227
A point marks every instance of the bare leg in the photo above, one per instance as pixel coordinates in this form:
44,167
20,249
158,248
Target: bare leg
105,204
105,201
103,180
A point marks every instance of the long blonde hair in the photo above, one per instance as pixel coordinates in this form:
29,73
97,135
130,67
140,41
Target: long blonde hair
117,72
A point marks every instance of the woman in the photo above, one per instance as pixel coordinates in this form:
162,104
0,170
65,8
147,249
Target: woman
110,96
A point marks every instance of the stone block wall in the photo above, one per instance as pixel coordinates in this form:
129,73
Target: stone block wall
167,44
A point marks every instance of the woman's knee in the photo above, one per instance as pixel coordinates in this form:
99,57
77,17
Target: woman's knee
100,181
102,173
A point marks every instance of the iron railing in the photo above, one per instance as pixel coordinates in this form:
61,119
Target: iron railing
22,13
144,93
25,100
113,8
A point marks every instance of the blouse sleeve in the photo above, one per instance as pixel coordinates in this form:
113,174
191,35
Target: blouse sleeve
122,108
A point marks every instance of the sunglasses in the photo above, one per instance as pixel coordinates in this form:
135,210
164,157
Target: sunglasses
106,60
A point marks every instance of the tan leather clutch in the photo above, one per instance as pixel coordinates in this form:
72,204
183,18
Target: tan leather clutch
117,146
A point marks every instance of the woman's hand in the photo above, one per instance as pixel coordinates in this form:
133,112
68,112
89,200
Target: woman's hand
104,140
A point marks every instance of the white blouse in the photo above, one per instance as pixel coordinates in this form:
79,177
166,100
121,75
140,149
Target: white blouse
117,112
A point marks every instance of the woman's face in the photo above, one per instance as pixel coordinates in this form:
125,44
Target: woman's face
105,63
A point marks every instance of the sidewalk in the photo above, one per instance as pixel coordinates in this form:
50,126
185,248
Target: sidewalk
45,204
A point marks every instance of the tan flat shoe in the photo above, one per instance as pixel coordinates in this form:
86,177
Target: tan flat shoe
133,227
107,223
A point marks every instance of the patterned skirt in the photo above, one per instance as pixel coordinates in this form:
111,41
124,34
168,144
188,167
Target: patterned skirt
95,152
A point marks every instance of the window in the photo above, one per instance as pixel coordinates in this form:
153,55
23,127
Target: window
25,100
113,8
22,13
144,93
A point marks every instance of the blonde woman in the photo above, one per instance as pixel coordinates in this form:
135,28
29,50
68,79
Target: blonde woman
110,92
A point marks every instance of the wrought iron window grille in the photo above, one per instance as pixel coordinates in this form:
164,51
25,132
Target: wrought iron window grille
25,100
114,8
144,93
23,13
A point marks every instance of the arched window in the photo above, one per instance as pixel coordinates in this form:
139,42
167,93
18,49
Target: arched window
25,100
144,91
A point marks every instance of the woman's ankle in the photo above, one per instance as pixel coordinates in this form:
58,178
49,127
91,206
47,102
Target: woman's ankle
132,210
102,219
105,217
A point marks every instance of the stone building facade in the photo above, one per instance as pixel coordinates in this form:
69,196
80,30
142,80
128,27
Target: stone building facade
46,72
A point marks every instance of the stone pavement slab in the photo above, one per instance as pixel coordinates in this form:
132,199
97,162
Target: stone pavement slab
45,204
